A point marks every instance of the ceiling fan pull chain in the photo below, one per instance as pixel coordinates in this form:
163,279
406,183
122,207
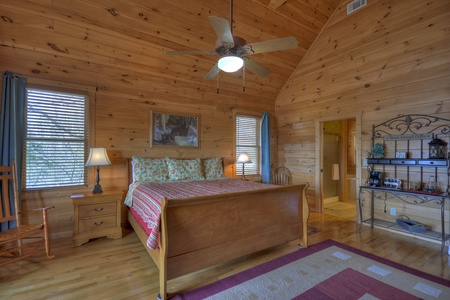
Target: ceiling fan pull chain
217,86
231,16
243,78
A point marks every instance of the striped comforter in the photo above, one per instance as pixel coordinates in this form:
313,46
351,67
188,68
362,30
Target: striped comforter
145,198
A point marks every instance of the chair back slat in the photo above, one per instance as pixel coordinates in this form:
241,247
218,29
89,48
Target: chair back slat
17,200
281,176
6,176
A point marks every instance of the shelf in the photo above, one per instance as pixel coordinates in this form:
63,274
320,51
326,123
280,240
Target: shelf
378,161
413,192
409,162
403,161
433,162
408,134
431,235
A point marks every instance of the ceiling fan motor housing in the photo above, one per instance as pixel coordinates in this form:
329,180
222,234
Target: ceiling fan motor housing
237,48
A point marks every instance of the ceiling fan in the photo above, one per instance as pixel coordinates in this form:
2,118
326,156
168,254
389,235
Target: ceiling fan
233,49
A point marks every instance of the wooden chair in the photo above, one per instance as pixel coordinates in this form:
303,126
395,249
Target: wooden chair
281,176
24,241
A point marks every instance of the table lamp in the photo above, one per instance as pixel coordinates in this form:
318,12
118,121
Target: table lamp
97,157
243,159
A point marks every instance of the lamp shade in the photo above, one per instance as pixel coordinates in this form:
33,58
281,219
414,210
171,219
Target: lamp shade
230,63
244,159
97,157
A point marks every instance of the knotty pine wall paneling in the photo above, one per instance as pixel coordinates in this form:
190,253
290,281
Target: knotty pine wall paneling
80,43
386,59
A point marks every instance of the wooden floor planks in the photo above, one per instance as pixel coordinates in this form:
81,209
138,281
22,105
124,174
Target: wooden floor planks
121,269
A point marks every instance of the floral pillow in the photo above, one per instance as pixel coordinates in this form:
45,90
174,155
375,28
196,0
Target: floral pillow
184,169
213,168
150,169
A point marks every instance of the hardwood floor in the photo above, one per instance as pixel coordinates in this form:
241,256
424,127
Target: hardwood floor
121,269
346,210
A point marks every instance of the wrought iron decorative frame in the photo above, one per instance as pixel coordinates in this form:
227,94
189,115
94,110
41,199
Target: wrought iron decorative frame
412,124
404,126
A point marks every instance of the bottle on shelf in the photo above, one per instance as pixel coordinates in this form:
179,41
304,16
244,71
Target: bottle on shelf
431,186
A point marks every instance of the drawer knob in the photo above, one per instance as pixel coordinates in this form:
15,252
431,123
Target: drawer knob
98,224
98,210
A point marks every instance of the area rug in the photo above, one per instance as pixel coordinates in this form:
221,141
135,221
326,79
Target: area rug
328,270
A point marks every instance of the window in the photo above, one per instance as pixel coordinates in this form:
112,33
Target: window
248,139
56,140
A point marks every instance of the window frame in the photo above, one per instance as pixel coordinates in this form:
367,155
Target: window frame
89,93
237,166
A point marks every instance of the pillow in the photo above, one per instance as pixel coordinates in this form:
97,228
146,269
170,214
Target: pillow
213,168
150,169
184,169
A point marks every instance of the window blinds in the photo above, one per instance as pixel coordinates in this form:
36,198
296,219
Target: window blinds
56,140
248,130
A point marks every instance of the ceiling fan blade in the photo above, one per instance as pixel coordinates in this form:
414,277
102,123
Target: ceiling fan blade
185,52
271,45
222,29
213,72
256,68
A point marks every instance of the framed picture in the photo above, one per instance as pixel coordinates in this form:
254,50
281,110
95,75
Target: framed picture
174,130
400,154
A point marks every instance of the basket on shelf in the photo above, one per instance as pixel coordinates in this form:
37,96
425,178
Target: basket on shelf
412,226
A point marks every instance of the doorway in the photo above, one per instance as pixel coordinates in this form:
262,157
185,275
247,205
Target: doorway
331,162
338,161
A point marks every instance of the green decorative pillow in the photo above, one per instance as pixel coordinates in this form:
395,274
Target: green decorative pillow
213,168
150,169
184,169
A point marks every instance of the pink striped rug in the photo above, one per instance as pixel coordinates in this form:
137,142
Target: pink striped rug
328,270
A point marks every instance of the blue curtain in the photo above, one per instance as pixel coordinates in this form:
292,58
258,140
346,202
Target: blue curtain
12,127
265,148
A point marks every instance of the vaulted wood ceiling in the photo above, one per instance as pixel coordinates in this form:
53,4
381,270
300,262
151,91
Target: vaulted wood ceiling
130,38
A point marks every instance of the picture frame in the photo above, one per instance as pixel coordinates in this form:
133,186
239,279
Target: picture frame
174,130
401,154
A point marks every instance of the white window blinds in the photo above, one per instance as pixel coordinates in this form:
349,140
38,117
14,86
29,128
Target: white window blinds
248,137
56,140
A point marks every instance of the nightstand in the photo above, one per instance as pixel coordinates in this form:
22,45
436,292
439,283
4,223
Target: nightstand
96,215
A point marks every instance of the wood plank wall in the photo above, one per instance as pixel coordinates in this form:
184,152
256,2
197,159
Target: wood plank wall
386,59
80,45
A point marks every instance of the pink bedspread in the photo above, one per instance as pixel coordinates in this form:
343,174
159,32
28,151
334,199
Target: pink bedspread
147,198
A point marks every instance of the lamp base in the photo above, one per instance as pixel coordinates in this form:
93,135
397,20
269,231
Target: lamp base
97,189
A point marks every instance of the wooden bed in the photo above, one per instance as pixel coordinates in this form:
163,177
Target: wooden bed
203,231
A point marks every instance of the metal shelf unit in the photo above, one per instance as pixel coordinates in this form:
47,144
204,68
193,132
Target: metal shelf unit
405,129
384,194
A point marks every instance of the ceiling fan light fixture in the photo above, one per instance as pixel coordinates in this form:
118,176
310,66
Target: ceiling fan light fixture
230,64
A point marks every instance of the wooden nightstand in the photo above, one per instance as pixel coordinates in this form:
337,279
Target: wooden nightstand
96,216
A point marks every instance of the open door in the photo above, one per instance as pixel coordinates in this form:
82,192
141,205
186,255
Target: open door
331,166
338,168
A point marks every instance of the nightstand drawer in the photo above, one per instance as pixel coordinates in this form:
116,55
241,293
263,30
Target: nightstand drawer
97,209
99,223
97,215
